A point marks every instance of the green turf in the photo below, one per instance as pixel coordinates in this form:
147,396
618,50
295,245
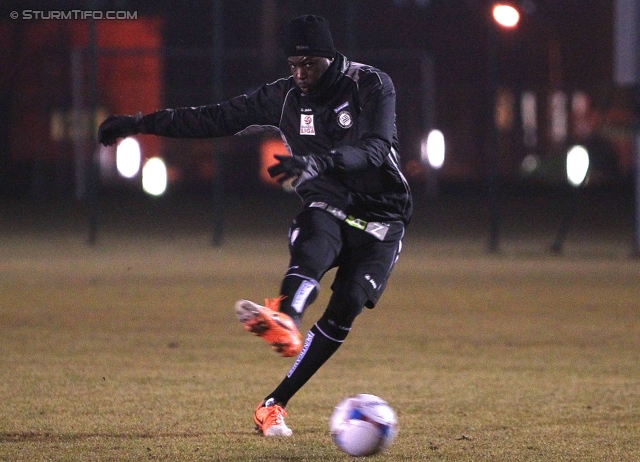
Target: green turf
131,351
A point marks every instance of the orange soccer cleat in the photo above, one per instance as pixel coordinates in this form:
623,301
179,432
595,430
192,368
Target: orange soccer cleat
269,420
277,329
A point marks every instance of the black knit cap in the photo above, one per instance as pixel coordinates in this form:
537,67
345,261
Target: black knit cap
308,35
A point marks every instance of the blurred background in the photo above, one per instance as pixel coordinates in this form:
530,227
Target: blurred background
522,117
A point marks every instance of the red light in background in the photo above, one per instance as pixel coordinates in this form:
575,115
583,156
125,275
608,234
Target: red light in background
268,149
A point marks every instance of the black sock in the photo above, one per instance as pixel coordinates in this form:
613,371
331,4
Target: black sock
300,291
322,340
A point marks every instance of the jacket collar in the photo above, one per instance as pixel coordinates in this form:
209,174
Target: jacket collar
322,90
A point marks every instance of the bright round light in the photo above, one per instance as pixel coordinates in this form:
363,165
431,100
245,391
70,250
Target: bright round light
433,149
128,157
154,176
577,164
506,15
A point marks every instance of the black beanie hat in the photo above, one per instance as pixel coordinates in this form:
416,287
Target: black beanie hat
308,35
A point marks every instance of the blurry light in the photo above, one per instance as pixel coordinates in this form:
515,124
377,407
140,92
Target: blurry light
559,116
268,148
505,109
506,15
128,157
57,125
433,149
577,165
154,176
580,103
530,163
529,116
107,161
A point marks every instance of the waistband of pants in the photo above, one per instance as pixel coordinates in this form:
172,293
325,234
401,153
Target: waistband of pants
376,229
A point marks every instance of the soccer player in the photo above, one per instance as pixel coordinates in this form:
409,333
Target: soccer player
337,119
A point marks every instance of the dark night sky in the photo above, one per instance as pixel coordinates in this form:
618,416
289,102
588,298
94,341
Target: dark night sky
452,30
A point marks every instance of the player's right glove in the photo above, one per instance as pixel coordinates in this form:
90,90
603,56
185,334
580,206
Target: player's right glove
119,126
295,170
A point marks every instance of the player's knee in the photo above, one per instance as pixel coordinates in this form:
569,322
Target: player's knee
334,328
345,305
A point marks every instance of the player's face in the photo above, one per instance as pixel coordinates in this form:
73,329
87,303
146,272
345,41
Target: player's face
307,70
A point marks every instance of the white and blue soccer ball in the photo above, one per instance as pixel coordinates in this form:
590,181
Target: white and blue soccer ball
363,425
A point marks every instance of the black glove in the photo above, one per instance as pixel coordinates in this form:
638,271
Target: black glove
119,126
296,170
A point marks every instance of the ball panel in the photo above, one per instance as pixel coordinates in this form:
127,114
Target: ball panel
363,425
359,438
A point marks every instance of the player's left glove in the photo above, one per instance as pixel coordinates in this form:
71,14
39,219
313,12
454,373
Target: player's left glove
119,126
296,170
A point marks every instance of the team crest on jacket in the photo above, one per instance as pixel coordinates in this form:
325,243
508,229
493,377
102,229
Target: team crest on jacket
306,124
344,119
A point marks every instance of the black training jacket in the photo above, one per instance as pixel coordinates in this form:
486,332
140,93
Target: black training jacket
350,116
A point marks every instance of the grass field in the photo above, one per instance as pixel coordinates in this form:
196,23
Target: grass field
130,351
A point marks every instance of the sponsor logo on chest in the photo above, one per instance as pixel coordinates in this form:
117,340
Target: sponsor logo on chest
306,124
